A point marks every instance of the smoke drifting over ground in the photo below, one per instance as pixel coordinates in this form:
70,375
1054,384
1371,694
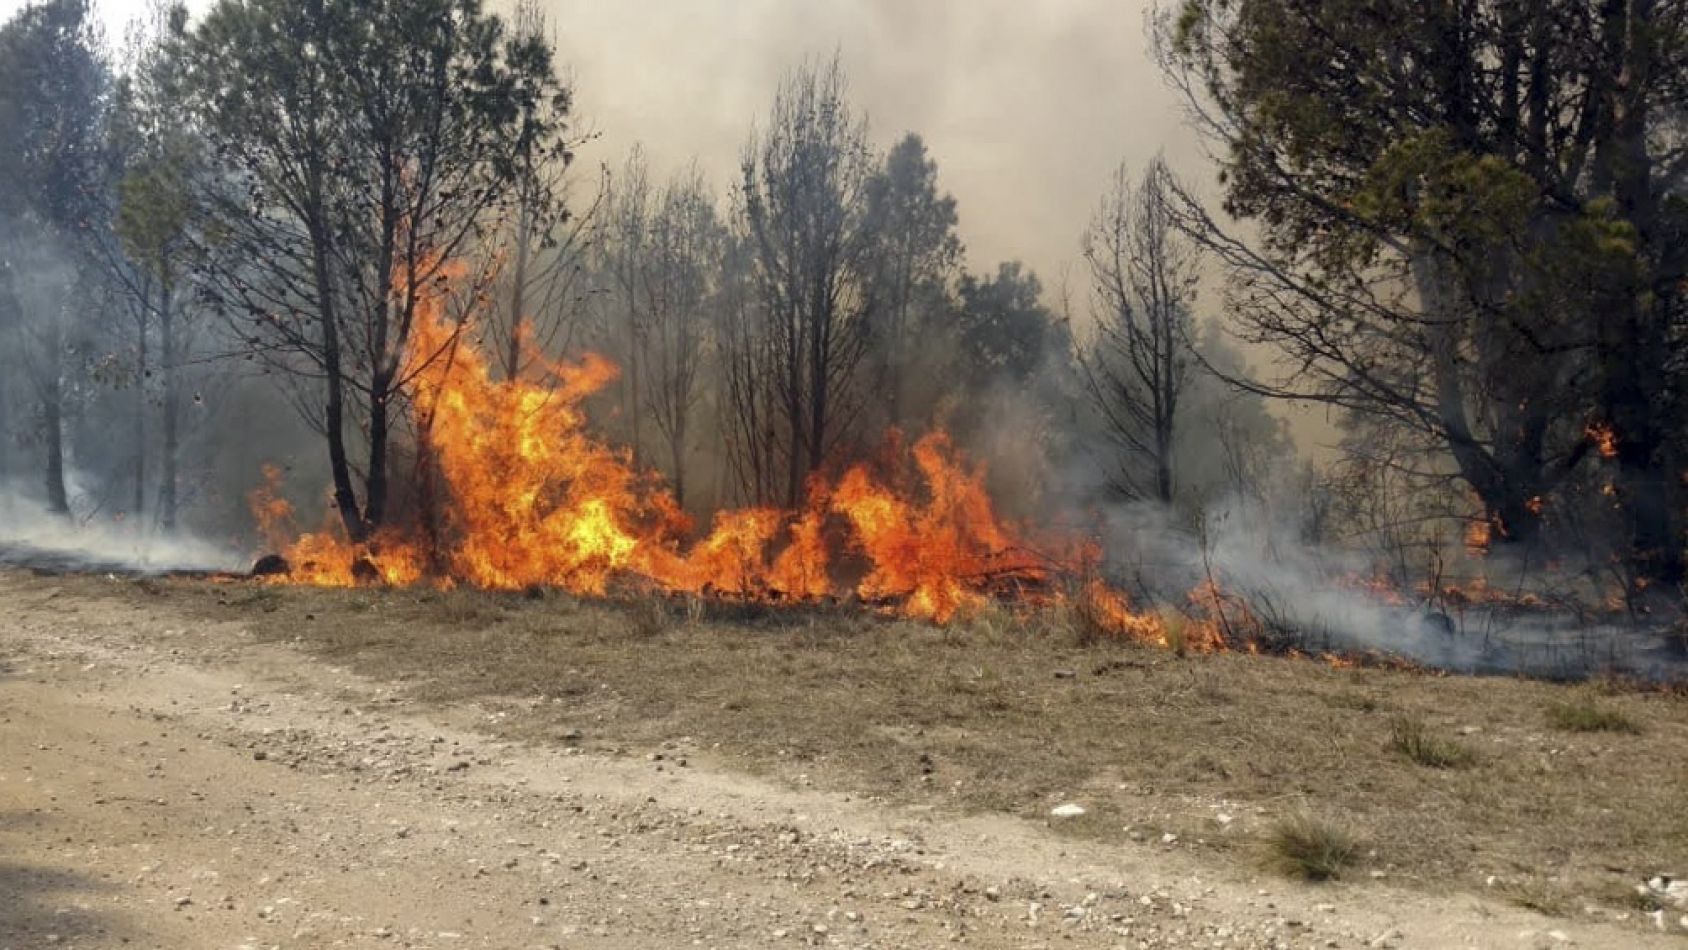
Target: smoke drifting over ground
32,536
1317,599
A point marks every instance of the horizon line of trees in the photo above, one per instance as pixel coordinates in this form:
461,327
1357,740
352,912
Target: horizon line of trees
1465,237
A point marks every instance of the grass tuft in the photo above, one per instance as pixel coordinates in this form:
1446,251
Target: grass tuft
1583,714
1412,739
648,617
1311,849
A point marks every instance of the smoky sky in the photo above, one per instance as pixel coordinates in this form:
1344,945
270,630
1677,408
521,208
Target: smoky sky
1027,107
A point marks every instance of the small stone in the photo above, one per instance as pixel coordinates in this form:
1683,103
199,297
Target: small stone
1068,810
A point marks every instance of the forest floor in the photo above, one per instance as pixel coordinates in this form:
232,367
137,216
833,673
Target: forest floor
189,764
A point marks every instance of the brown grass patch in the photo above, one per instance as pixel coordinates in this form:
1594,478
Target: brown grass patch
976,719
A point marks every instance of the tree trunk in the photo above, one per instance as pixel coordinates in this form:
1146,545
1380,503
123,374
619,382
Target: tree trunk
334,408
167,340
375,485
677,448
1634,348
52,412
518,293
140,499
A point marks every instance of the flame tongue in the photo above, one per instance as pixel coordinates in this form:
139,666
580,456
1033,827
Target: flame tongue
523,495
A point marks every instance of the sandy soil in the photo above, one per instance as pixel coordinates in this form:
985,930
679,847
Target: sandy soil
173,784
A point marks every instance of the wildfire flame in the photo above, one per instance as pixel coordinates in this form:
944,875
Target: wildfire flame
1604,437
518,493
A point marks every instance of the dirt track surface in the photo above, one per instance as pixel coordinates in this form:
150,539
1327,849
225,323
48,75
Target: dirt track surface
172,784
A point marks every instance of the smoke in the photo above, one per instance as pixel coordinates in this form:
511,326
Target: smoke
1316,600
32,536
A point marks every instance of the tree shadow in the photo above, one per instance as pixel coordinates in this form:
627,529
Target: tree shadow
36,901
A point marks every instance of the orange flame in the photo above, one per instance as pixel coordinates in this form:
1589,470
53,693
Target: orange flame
524,495
1479,534
1604,437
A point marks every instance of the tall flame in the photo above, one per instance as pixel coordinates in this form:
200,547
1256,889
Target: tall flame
517,492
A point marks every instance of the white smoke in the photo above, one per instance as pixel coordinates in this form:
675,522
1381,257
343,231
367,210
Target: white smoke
87,539
1315,598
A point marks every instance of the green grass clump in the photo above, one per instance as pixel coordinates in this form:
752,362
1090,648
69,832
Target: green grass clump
1585,715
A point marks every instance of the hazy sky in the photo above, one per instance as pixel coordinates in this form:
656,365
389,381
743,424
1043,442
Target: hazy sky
1027,106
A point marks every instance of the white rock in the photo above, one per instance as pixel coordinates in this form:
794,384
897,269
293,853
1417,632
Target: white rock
1068,810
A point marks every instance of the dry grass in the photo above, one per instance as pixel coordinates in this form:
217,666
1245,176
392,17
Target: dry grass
1009,715
1311,849
648,616
1583,714
1412,738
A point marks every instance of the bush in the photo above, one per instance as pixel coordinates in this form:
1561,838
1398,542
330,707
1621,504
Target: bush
1410,738
1305,847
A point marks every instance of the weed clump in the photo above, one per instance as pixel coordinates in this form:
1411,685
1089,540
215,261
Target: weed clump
647,617
1583,714
1412,739
1311,849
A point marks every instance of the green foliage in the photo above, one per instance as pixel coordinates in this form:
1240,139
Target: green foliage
1424,185
1469,219
1005,328
53,91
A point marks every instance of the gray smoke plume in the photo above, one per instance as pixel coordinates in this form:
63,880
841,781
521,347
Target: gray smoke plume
1314,599
32,536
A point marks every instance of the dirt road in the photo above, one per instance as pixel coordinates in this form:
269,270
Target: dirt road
168,783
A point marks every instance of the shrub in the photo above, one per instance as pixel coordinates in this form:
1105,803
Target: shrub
1305,847
1410,738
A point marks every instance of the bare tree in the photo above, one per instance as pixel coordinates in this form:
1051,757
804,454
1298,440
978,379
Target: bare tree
804,211
683,262
547,240
1143,283
621,245
748,403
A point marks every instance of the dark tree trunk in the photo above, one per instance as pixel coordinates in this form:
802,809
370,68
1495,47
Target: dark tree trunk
52,412
375,485
167,341
334,408
141,370
1634,348
518,294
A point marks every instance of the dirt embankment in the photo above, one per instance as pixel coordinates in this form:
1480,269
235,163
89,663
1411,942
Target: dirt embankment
170,779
